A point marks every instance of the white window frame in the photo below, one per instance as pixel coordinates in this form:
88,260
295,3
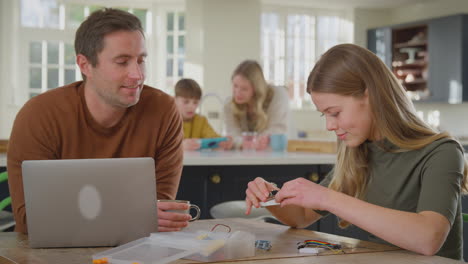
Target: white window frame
345,36
175,6
156,41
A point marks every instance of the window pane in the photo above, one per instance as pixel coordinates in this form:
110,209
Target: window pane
52,53
181,45
327,33
35,52
75,15
181,21
69,76
52,78
94,8
30,13
170,21
169,65
35,77
141,14
180,68
170,44
40,13
31,95
51,13
69,54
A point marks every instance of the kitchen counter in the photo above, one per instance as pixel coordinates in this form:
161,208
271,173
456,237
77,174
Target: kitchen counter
3,160
196,158
200,158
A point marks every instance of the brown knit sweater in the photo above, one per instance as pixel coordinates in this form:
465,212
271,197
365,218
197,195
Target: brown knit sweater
58,125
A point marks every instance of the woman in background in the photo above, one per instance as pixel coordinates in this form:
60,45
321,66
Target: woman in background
395,177
255,105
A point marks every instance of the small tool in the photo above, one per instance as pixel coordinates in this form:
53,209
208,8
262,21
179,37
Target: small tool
270,200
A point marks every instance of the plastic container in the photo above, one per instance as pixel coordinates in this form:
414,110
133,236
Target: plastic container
162,248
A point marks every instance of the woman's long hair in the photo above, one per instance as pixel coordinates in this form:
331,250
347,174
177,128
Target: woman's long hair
350,70
263,94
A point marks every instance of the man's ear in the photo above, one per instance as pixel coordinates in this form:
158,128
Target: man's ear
84,64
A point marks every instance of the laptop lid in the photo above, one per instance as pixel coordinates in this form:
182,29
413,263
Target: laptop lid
89,202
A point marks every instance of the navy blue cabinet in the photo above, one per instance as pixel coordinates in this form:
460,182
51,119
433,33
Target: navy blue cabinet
207,186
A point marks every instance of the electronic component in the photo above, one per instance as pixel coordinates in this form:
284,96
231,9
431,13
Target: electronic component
311,250
263,244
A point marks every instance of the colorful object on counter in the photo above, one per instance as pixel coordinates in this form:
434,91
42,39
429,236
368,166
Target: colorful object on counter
206,143
100,261
263,244
298,145
315,245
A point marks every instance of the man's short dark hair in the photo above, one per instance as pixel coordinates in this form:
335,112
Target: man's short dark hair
89,38
188,88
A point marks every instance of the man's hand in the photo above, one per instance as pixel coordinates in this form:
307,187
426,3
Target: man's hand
172,221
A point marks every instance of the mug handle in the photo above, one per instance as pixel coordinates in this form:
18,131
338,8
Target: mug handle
198,212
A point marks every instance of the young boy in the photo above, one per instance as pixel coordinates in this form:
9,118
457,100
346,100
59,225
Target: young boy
187,98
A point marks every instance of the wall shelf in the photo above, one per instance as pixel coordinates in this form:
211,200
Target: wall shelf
410,44
433,53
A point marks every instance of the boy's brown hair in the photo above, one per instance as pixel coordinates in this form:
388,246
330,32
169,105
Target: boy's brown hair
188,88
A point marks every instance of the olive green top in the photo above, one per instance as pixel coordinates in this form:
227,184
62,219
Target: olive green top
427,179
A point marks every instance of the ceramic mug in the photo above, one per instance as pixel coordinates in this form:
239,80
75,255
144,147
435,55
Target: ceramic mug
278,142
191,206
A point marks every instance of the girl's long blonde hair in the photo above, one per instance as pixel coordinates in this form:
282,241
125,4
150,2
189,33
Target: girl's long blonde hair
350,70
263,94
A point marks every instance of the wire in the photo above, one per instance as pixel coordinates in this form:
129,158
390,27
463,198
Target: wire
335,248
228,227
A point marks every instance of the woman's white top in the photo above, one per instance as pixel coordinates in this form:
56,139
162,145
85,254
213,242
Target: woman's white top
277,113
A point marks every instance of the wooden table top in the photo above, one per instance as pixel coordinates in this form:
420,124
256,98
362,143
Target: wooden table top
14,247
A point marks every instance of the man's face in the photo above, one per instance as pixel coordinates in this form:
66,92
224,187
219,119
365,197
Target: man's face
118,77
186,106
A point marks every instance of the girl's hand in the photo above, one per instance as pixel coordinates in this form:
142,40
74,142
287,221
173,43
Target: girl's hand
303,193
227,145
258,191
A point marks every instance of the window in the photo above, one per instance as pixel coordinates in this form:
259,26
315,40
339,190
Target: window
51,64
175,47
47,30
292,41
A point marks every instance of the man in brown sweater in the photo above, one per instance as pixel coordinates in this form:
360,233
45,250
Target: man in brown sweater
110,114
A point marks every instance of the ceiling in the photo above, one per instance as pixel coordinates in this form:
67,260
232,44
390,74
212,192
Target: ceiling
350,3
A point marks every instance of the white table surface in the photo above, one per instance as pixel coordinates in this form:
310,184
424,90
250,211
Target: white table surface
203,158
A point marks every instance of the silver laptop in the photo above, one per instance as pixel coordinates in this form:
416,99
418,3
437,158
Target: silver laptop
89,202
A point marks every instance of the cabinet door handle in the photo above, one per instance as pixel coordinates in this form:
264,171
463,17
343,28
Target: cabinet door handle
215,178
314,176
